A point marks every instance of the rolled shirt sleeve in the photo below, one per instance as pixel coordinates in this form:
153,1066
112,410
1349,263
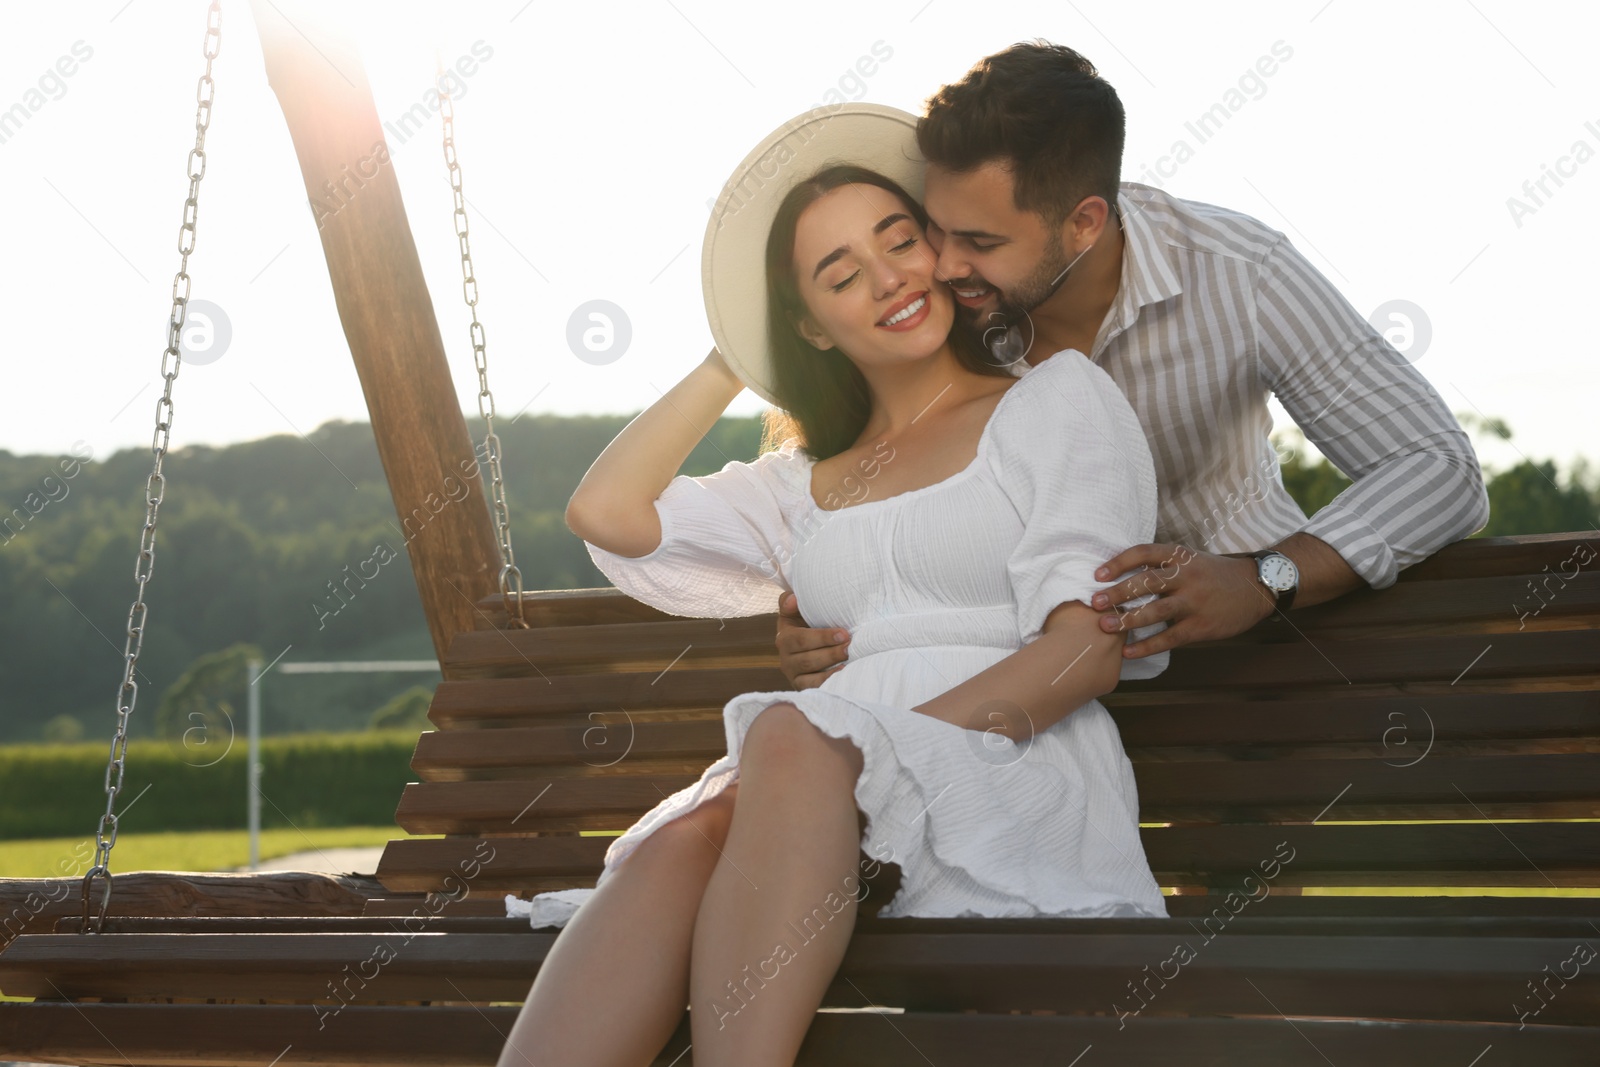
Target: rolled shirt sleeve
1416,481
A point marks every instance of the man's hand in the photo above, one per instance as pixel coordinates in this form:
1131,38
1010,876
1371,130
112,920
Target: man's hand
1201,597
806,654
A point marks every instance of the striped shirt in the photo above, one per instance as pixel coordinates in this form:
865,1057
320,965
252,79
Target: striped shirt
1214,311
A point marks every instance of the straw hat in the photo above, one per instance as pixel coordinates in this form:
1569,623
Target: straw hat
733,270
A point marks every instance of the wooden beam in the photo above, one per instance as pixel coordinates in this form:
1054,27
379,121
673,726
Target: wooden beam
32,905
317,74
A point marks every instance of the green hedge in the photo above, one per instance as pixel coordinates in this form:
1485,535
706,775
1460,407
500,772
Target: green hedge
347,779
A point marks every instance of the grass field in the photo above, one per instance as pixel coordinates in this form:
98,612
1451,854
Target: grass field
203,850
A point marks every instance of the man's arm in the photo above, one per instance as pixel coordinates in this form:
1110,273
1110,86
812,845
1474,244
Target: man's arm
1416,481
1324,574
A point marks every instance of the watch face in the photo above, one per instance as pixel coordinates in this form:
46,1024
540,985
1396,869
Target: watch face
1278,572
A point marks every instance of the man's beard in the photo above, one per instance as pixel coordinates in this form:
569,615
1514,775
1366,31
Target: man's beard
1015,304
1040,285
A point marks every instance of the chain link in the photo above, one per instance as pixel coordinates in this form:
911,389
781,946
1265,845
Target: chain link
155,485
510,575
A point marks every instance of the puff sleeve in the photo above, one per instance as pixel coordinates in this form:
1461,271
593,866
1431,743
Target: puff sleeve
726,541
1073,459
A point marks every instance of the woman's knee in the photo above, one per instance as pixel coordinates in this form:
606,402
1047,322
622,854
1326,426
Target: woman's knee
702,832
782,735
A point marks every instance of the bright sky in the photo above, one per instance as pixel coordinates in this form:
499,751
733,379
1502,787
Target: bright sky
1388,145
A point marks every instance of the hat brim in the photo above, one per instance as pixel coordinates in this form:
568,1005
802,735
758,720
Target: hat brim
733,270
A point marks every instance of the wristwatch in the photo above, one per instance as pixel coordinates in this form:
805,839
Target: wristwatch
1279,574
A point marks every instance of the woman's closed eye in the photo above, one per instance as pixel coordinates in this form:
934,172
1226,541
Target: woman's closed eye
903,246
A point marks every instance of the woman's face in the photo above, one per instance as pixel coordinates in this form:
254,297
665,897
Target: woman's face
865,272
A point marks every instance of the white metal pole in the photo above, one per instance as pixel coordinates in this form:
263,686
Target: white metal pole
253,771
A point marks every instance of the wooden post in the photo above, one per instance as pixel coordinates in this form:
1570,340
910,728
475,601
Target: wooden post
322,87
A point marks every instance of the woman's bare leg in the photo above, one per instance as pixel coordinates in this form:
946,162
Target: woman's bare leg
787,877
615,983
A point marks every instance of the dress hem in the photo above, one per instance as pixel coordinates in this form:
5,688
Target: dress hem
880,793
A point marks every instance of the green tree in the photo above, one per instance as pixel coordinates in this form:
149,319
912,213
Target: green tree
1531,498
199,710
63,729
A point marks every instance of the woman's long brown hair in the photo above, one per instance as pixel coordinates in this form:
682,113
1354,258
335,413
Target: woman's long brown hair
822,398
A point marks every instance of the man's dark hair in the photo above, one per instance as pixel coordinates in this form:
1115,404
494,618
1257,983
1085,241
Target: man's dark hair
1044,111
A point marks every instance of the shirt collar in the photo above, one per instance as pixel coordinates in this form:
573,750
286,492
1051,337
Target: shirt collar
1148,274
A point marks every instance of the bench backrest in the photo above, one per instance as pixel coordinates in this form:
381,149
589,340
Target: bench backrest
1469,692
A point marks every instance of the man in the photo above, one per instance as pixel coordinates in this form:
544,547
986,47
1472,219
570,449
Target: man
1196,312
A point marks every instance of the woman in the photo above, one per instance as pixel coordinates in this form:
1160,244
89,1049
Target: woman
949,514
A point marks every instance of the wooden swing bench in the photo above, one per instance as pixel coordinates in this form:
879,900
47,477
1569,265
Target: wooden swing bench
1436,699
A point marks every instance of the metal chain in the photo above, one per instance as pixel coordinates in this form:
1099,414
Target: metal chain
510,575
156,484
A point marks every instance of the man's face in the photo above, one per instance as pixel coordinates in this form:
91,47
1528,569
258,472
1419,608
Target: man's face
998,261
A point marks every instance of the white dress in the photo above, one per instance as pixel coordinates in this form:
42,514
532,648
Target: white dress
935,585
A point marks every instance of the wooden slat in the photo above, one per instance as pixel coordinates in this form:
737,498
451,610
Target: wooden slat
529,701
1143,719
1402,726
213,1035
34,904
558,861
257,1035
1446,970
401,905
1525,662
1530,554
1460,854
529,806
1288,914
653,695
1438,787
609,744
1398,732
284,924
571,607
1527,659
1479,605
1563,786
323,968
1477,557
1586,909
637,646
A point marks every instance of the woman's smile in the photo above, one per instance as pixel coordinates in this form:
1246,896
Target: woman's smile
908,314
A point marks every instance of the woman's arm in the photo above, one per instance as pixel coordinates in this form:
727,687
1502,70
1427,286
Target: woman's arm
1072,662
614,505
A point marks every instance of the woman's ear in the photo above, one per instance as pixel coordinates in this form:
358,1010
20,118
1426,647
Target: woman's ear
809,330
